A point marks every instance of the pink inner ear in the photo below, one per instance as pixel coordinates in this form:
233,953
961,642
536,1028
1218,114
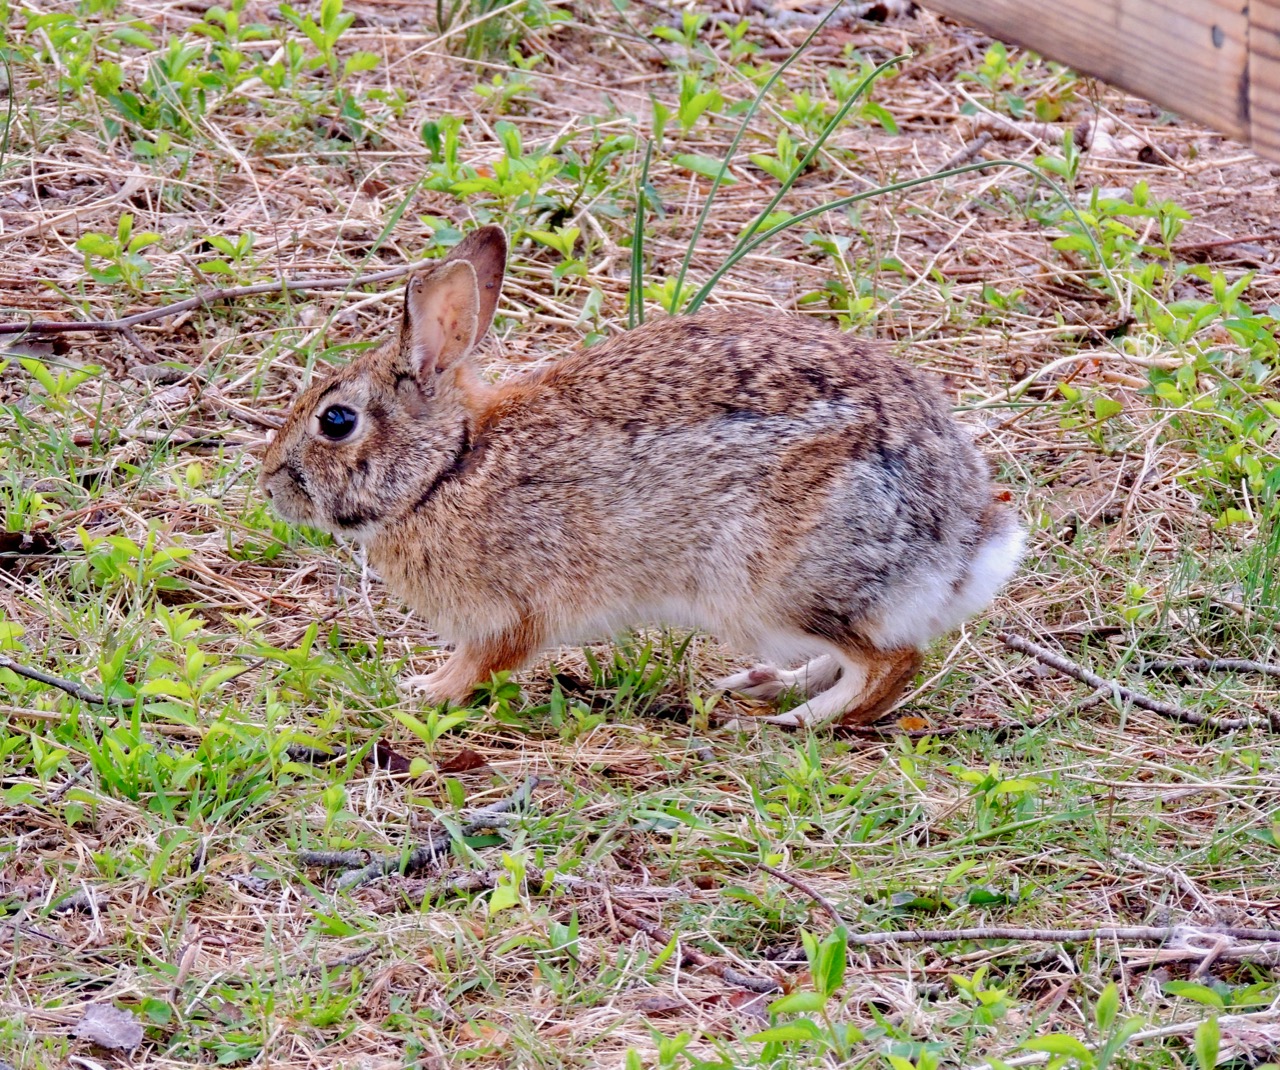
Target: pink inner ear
441,313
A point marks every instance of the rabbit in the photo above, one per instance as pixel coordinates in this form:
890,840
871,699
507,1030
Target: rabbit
760,476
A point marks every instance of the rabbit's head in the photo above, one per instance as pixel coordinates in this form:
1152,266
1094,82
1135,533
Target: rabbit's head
362,446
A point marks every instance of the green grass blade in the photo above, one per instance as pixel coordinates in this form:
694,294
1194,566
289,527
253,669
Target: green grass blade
635,298
836,120
733,147
745,247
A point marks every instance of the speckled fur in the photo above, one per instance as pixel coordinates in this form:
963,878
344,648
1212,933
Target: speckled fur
787,487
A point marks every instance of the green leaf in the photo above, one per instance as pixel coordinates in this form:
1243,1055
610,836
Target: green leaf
18,794
37,370
792,1031
707,166
772,166
128,35
1105,408
1193,991
360,61
1061,1044
414,725
174,688
1107,1008
1208,1039
504,897
799,1003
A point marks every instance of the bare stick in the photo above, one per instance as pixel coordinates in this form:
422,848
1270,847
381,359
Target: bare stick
1263,668
1136,698
75,690
692,956
420,856
125,324
969,152
1219,243
1140,933
807,889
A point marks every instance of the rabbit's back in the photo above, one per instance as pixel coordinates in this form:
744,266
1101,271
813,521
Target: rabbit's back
697,466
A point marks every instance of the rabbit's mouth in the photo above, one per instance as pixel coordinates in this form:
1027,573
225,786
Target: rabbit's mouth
285,487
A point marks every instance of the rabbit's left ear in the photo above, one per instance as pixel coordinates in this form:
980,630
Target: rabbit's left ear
441,316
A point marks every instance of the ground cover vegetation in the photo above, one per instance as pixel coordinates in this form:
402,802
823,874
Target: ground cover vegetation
227,839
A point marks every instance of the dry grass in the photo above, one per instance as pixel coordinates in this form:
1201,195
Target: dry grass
173,833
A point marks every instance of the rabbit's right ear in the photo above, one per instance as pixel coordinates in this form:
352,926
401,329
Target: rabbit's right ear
447,310
486,251
441,314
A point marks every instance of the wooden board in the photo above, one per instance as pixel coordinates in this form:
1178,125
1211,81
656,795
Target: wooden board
1216,61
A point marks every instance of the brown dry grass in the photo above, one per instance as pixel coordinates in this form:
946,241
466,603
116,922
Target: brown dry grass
193,900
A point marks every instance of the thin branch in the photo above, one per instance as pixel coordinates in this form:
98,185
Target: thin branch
71,687
807,889
1219,243
969,152
125,324
420,856
1137,698
693,957
1263,668
1141,933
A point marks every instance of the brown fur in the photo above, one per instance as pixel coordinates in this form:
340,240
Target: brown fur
762,476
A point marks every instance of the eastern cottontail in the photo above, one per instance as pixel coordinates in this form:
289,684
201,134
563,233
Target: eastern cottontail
786,487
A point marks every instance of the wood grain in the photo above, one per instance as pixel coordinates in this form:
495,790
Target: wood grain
1264,77
1190,56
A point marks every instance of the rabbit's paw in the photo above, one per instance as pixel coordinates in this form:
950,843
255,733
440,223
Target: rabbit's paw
437,688
763,682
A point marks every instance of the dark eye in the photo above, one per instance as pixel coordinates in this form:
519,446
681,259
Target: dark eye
337,421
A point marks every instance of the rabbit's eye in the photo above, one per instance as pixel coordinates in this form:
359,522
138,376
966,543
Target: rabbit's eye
337,421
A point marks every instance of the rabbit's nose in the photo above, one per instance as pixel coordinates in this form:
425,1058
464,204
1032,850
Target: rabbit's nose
268,492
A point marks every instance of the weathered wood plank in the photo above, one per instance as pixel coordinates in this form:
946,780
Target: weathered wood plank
1190,56
1264,77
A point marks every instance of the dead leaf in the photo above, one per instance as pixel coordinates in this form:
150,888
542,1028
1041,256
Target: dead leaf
751,1004
386,758
661,1006
108,1027
464,761
912,724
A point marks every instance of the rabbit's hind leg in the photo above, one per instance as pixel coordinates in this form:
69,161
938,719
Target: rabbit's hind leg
768,683
870,682
891,672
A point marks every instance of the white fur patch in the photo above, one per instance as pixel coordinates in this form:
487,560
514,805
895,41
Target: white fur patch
934,607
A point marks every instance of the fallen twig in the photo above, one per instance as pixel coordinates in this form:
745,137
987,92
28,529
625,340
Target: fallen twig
71,687
693,957
419,856
807,889
1263,668
1141,933
125,324
969,152
1137,698
1219,243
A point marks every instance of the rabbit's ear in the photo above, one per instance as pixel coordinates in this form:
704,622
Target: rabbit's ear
441,317
486,251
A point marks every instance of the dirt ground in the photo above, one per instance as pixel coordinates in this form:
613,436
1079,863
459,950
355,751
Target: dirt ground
153,857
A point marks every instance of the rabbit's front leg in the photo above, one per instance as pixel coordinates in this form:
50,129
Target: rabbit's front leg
472,663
